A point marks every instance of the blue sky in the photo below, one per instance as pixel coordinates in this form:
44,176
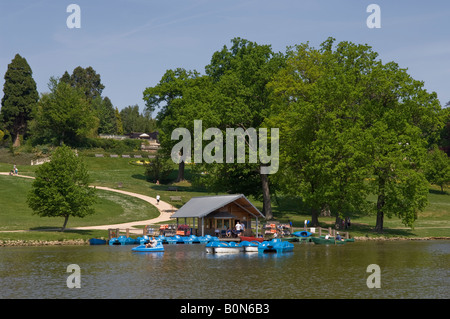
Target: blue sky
132,43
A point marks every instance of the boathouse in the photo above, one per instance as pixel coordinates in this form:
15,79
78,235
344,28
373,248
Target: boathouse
217,213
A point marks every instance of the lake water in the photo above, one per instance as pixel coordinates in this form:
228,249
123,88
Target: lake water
408,269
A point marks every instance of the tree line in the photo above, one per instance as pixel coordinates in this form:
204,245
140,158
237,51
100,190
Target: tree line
72,110
350,125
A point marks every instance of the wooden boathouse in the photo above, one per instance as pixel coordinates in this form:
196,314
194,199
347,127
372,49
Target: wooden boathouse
215,214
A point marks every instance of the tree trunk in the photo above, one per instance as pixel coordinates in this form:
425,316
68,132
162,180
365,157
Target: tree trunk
180,176
314,217
66,218
16,141
267,205
380,205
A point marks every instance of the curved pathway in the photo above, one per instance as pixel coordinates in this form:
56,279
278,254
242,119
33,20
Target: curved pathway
165,209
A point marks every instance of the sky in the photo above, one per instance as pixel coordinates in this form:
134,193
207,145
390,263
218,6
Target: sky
132,43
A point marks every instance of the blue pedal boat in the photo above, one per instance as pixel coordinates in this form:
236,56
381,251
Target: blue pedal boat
250,246
96,241
276,245
142,249
302,233
220,247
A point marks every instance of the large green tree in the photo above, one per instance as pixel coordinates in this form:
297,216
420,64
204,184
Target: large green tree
347,117
315,104
64,115
240,74
61,187
181,96
85,79
19,99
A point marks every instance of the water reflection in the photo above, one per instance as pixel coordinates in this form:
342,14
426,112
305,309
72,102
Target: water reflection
408,270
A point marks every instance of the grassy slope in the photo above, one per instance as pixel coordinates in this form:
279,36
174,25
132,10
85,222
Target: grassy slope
434,221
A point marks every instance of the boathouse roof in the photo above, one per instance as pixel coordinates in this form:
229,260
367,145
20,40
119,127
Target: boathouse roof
199,207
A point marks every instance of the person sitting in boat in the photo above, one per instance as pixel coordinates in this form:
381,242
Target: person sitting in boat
327,236
338,237
151,243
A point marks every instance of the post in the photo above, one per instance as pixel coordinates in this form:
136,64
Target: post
128,232
320,231
203,226
256,227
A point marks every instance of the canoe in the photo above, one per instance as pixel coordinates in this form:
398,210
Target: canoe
96,241
330,241
276,245
250,246
249,239
218,247
141,248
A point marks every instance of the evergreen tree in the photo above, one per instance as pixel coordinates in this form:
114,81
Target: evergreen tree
19,99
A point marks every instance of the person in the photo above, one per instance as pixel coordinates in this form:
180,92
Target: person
228,232
338,237
327,236
238,228
152,243
157,199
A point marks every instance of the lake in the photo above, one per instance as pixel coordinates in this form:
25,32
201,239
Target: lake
407,269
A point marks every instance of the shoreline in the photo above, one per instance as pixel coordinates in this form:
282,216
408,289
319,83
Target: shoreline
82,242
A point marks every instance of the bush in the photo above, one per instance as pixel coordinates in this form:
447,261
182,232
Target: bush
112,146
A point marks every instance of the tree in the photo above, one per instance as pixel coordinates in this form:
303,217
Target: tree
106,115
159,169
179,96
347,117
119,125
315,105
19,99
61,187
87,80
240,75
64,115
134,121
437,169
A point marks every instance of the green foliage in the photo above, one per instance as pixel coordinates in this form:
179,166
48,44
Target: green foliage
351,125
106,115
133,121
437,169
112,145
159,169
19,97
63,116
85,79
61,187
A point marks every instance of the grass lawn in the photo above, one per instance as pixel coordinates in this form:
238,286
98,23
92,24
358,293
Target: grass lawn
117,208
111,208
